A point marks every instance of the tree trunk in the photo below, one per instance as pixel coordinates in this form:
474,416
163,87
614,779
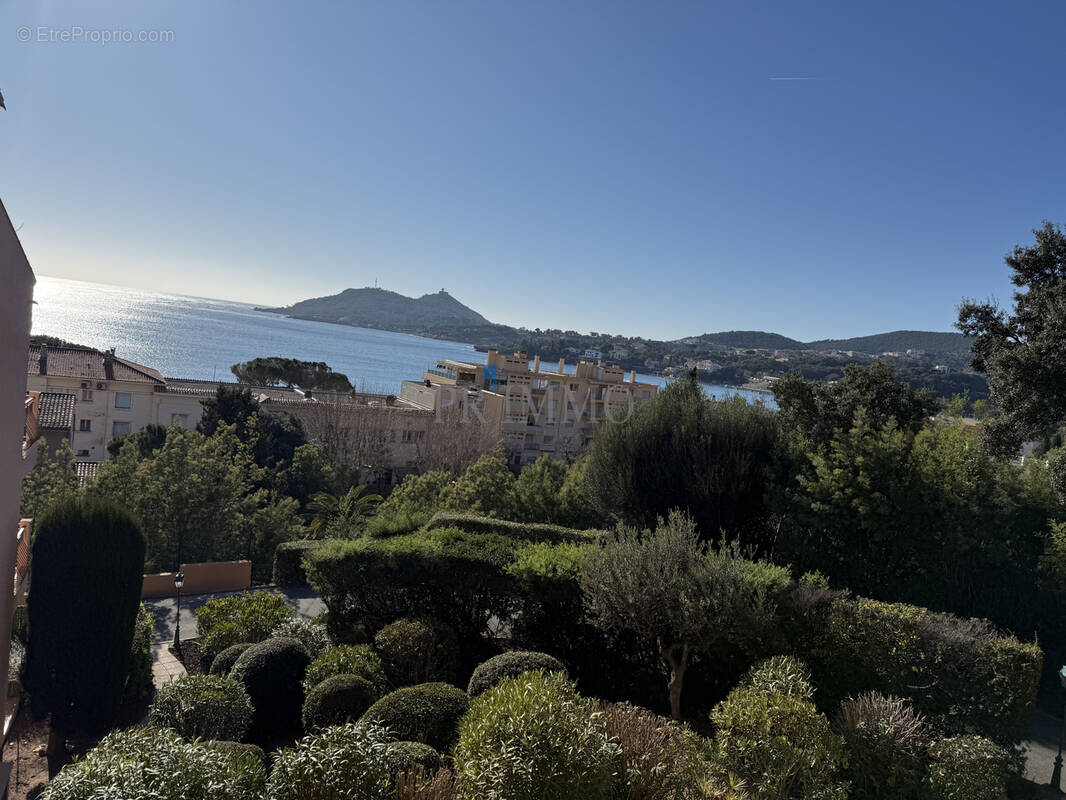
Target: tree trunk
57,749
677,675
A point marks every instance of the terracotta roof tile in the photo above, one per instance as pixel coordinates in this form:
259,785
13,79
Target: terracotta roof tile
73,362
55,410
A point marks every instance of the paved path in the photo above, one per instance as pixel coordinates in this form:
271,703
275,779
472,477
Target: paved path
1042,744
300,599
165,666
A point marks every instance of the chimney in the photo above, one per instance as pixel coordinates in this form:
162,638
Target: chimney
42,362
632,376
109,364
562,365
536,363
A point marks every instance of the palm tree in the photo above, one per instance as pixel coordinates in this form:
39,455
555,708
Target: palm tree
349,511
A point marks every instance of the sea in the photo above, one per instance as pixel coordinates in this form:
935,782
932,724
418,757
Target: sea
199,337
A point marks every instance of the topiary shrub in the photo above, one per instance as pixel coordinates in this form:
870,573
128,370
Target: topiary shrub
508,665
532,737
238,749
344,762
272,673
311,635
288,562
203,707
245,617
967,768
886,745
139,679
427,713
770,735
661,760
347,659
225,660
336,700
408,756
157,764
417,651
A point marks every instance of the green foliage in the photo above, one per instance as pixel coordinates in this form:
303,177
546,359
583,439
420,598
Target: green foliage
288,562
147,440
886,742
272,673
272,438
770,735
427,713
292,372
79,654
417,651
139,679
524,531
240,750
508,665
311,634
344,762
532,737
1024,352
487,487
223,663
408,756
967,768
156,764
336,700
412,503
672,589
661,760
537,490
246,617
310,472
52,479
203,707
576,507
683,451
342,517
347,659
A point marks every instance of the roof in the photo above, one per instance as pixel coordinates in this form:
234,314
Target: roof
75,362
55,410
86,471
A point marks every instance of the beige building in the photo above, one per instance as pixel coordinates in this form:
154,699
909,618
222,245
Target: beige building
534,411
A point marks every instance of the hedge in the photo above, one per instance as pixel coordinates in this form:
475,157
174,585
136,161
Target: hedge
417,651
347,659
337,700
408,756
203,707
272,673
288,562
428,713
224,661
139,678
522,531
509,665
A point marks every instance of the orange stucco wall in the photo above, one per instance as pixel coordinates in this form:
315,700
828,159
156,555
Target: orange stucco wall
219,576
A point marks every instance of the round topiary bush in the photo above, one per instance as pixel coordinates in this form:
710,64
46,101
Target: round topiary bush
533,736
406,756
417,650
354,757
203,707
347,659
508,665
967,768
310,634
225,660
339,699
427,713
272,673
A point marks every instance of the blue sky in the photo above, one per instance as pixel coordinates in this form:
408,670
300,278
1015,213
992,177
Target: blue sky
616,166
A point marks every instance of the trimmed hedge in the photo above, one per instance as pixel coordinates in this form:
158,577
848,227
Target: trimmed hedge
406,756
337,700
225,660
347,659
139,679
245,617
342,762
521,531
967,768
239,750
427,713
508,665
417,651
272,673
203,707
288,562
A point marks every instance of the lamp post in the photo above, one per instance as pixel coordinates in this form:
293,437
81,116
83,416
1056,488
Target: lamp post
1056,774
179,581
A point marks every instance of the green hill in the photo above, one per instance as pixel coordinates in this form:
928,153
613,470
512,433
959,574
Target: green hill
899,341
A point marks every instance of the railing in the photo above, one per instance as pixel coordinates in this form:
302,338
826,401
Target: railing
443,373
22,559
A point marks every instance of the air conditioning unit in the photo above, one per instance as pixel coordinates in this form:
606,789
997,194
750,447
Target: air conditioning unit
84,384
99,386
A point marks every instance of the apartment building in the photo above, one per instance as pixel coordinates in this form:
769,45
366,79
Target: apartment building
534,411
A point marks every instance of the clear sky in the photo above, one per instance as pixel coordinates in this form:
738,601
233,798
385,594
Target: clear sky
638,168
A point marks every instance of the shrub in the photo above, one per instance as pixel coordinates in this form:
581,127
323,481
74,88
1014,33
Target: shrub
238,749
225,660
336,700
343,762
533,736
420,785
523,531
272,673
487,487
417,651
347,659
246,617
771,736
407,756
427,713
885,743
661,760
312,635
288,562
967,768
139,679
203,707
508,665
156,764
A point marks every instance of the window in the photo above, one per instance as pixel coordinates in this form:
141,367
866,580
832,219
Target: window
87,395
120,428
83,454
85,425
548,439
181,420
123,400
